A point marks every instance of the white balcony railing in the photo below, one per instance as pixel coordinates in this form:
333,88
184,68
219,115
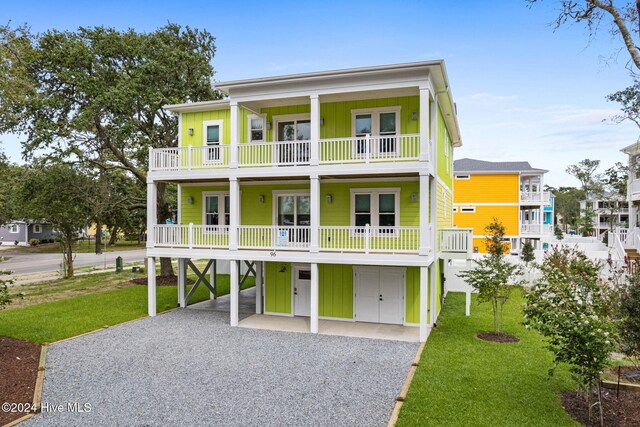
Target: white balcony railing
370,149
191,236
456,240
535,197
188,158
370,239
366,149
273,237
281,153
536,229
332,239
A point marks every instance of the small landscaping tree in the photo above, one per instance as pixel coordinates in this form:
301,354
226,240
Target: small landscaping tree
630,319
574,310
527,252
493,273
557,231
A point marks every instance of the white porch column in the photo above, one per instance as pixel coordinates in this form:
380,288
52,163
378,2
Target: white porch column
424,303
234,292
425,120
314,158
234,217
151,285
432,294
182,276
425,202
152,212
234,134
315,298
259,287
315,213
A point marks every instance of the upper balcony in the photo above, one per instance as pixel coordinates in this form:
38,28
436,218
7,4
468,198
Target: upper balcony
535,197
330,152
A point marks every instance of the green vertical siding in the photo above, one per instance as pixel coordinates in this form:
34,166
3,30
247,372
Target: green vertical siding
445,175
192,213
412,299
336,291
255,213
277,290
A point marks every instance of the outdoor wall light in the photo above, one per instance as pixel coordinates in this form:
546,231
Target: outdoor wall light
261,198
414,197
283,268
321,121
190,200
414,115
268,125
191,131
329,198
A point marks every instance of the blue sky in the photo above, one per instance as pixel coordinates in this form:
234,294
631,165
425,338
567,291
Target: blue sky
524,92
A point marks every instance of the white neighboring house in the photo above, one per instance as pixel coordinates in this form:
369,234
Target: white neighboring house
607,214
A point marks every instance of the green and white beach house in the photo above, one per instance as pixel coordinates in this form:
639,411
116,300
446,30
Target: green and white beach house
335,186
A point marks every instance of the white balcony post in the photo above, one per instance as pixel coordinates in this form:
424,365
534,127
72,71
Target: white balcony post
182,276
314,159
189,157
424,303
234,132
424,201
367,142
151,286
367,235
315,298
315,213
259,287
425,120
190,235
234,292
152,212
234,217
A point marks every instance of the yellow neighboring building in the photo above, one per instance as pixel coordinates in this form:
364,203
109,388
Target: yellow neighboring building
509,191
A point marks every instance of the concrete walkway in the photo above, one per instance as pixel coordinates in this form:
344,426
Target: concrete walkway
189,367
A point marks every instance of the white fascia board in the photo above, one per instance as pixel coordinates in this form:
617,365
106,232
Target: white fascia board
218,104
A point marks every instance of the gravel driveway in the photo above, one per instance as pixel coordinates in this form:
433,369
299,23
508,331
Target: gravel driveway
188,367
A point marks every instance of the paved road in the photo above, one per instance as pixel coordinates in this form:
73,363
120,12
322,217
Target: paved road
42,263
189,367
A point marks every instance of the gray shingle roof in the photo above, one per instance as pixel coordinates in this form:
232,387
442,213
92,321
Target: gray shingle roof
473,165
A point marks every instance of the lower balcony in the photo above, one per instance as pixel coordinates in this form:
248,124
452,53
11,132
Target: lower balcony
365,240
455,242
536,229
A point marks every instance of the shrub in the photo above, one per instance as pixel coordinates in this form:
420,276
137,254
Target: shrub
15,242
557,231
34,242
630,319
5,298
574,310
493,273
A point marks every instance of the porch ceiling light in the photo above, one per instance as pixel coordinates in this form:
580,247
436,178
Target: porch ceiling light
191,131
329,198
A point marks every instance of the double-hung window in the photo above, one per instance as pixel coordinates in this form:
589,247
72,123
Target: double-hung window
377,208
14,228
37,228
382,125
257,124
212,140
216,209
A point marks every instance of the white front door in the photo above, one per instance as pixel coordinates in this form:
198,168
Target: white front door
378,294
301,291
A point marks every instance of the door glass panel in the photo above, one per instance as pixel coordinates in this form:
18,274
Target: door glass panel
211,210
286,213
387,123
387,210
304,274
213,134
227,210
286,131
303,210
304,130
363,210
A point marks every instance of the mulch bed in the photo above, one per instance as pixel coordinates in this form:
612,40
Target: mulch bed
497,337
629,370
18,372
162,281
618,412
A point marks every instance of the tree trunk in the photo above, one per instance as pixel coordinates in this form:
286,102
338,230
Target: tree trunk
68,258
98,237
166,268
113,236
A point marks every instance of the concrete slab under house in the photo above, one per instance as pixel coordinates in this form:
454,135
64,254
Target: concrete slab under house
334,188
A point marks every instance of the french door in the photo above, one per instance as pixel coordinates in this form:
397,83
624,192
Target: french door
297,134
294,216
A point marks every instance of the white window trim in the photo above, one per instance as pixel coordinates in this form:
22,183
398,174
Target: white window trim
375,118
374,203
264,127
462,177
37,230
286,118
14,228
221,211
279,193
467,209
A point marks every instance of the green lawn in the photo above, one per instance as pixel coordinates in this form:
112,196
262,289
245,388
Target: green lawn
464,381
82,246
56,320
